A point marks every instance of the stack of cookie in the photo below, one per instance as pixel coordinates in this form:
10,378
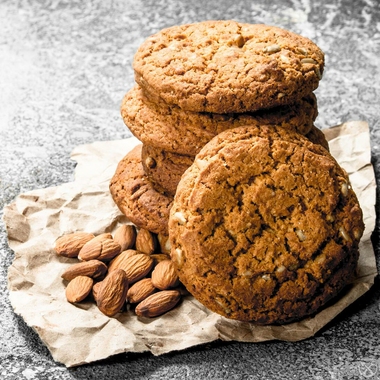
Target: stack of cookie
195,81
262,222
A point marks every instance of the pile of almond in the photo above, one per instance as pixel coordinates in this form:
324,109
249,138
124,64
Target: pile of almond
120,271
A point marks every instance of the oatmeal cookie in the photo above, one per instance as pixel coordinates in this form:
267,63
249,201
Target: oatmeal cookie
136,197
264,226
224,66
316,136
175,130
164,169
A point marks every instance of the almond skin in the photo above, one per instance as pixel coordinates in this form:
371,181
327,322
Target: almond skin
125,235
158,303
69,245
112,293
100,248
79,288
93,268
140,290
136,266
95,290
164,275
119,261
146,241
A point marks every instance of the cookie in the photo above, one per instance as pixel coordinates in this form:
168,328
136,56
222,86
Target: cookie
223,66
174,130
264,226
136,197
178,131
164,169
316,136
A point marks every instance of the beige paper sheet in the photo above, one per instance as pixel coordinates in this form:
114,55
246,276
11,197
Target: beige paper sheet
81,334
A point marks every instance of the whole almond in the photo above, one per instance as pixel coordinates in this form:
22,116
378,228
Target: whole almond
125,235
100,248
93,268
164,275
140,290
95,289
112,293
146,241
119,261
104,235
158,303
79,288
136,266
69,245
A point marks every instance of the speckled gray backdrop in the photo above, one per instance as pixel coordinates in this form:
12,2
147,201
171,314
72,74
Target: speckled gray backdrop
64,68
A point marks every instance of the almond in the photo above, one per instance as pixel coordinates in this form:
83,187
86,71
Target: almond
105,235
140,290
69,245
93,268
125,235
136,266
79,288
164,275
158,303
100,248
146,241
112,293
95,290
119,261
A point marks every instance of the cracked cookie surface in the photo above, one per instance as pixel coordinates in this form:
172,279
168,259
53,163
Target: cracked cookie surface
136,197
264,226
175,130
165,169
223,66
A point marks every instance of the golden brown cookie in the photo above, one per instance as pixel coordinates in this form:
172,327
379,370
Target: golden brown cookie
225,66
264,226
136,197
316,136
174,130
164,169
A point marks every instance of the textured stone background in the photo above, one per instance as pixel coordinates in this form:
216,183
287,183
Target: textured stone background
64,67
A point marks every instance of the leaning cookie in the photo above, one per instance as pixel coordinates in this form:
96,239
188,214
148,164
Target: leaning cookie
224,66
175,130
136,197
264,226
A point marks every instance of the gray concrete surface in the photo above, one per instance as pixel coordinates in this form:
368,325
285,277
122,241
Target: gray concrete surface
64,67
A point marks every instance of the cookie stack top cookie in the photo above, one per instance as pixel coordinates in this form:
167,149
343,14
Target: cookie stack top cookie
226,66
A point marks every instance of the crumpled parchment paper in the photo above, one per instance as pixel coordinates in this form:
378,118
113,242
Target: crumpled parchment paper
79,334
